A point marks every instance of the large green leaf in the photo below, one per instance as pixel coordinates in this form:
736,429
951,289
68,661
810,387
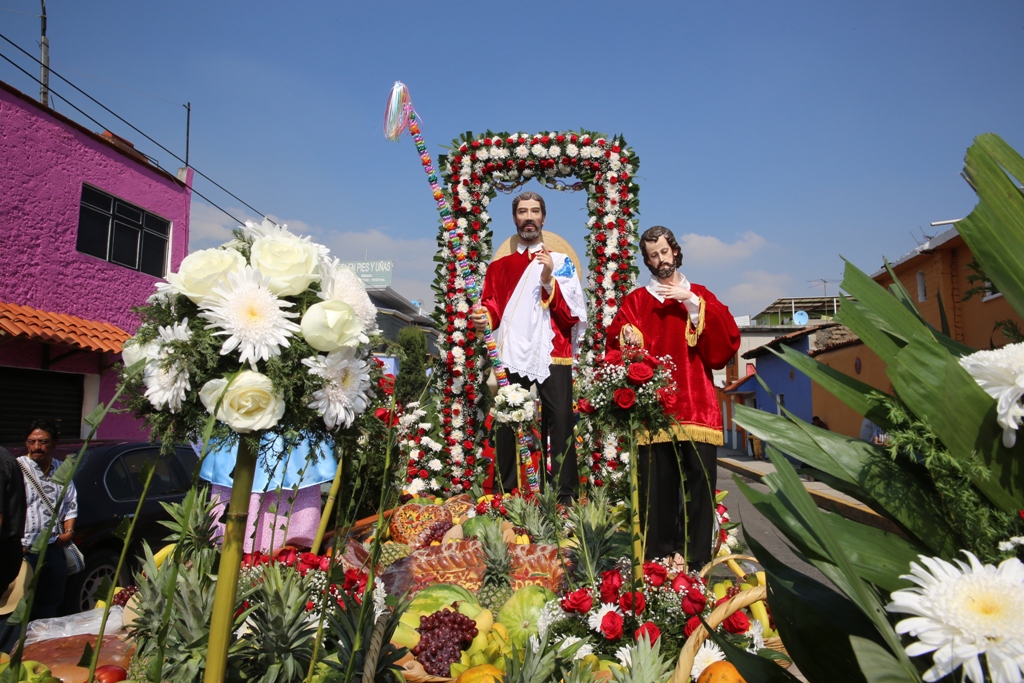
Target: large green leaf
862,398
995,229
859,592
814,621
945,396
877,665
880,557
902,491
867,326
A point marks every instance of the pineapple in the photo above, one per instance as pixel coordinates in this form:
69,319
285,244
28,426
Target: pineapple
646,664
191,522
497,584
391,552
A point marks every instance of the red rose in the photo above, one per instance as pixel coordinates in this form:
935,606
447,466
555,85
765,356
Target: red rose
578,601
585,406
692,625
387,384
308,561
633,601
624,398
650,630
694,601
739,622
611,582
668,400
639,373
655,573
386,416
611,626
681,583
287,556
613,358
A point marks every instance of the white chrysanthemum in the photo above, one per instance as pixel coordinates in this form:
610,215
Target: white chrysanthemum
522,151
555,151
595,619
708,654
1000,372
250,315
167,382
434,465
347,391
569,641
756,635
963,611
340,283
380,594
415,487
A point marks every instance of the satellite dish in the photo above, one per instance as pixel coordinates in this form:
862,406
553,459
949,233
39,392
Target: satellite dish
800,318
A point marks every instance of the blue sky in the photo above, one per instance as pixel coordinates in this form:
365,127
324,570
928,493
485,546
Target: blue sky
773,136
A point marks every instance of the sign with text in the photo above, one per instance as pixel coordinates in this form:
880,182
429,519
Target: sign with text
372,273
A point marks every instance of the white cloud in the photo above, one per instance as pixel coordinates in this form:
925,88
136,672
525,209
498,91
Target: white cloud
414,258
710,250
754,290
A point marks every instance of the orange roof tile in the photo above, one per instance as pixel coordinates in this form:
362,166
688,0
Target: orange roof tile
58,328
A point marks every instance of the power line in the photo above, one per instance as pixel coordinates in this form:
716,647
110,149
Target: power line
153,161
127,123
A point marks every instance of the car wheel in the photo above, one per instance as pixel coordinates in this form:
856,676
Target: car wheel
82,590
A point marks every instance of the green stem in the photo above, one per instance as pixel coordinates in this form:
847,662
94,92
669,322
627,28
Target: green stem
325,517
230,563
634,500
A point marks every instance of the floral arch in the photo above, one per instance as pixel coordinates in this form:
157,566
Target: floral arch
478,167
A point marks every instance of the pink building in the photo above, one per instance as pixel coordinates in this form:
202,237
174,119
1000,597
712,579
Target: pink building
88,226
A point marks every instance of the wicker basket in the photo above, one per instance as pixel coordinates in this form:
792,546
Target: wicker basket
718,615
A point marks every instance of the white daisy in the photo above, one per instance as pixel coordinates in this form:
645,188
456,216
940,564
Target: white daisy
347,390
250,315
708,654
1000,372
267,228
625,656
380,594
756,635
963,611
167,381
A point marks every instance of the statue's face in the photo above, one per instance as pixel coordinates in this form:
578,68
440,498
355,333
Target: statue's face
660,257
529,220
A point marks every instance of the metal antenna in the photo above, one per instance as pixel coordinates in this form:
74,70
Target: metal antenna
44,60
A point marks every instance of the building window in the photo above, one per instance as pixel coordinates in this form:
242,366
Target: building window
922,291
122,233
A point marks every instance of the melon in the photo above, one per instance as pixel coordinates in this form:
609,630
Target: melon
474,525
521,612
434,598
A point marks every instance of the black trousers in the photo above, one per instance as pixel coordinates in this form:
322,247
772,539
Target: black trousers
556,426
678,525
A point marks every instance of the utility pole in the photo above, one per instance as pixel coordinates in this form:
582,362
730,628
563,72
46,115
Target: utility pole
44,68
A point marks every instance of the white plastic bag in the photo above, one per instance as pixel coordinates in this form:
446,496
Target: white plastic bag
75,624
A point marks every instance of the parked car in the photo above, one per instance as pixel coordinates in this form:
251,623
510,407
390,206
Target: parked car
109,483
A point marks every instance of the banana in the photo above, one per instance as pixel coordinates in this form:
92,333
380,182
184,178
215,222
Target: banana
720,588
761,614
161,555
736,569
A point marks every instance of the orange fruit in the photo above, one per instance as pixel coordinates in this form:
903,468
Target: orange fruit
485,673
720,672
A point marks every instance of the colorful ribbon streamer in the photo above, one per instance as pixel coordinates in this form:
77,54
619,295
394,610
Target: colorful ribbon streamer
398,116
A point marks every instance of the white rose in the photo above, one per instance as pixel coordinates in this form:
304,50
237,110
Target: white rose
132,352
201,271
250,403
332,325
291,263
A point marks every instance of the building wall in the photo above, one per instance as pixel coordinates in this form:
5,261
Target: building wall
945,274
43,162
839,417
783,378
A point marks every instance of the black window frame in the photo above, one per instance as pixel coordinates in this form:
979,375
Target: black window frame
124,220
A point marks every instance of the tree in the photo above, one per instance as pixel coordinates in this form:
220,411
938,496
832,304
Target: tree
412,375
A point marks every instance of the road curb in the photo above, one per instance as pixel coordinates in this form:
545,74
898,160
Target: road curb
826,501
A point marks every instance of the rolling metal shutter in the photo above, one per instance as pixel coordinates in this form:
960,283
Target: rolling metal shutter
27,395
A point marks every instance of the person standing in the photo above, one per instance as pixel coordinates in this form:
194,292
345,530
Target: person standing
12,518
535,305
672,317
41,496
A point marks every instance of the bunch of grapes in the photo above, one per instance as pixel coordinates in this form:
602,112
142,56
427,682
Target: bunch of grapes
732,591
124,595
443,635
435,532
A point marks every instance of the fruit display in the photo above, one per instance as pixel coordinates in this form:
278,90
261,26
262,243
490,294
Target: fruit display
521,613
720,672
122,597
31,672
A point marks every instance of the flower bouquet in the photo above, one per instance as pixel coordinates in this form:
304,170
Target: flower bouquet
515,406
632,390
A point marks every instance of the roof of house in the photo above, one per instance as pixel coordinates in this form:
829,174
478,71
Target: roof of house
810,304
785,339
737,386
58,328
933,243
